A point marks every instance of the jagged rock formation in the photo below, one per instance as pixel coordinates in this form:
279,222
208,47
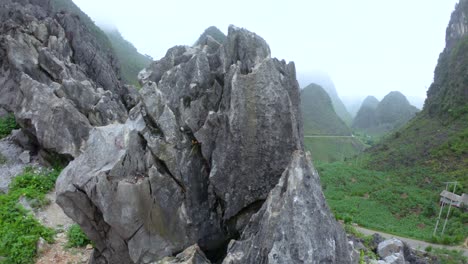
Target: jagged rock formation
214,33
366,117
387,115
319,117
55,77
448,94
280,232
216,127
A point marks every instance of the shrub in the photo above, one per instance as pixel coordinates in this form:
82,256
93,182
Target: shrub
428,249
7,124
76,237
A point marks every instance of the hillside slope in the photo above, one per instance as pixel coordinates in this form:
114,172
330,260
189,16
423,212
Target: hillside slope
438,137
319,117
131,61
366,117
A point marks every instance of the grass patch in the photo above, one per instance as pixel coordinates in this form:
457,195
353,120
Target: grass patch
403,202
76,237
7,124
446,256
328,149
19,230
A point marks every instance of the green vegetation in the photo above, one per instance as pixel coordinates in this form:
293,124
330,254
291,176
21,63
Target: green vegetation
215,33
76,237
19,230
402,202
318,115
329,149
7,124
131,62
446,256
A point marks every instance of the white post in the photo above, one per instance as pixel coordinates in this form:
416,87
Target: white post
448,212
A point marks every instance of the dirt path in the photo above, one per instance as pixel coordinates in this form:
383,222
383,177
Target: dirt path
416,244
58,253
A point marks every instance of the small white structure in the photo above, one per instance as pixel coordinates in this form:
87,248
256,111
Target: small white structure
456,200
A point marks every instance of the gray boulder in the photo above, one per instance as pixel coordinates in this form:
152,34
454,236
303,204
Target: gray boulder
294,225
391,250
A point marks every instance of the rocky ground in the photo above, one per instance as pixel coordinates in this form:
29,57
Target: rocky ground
10,162
13,160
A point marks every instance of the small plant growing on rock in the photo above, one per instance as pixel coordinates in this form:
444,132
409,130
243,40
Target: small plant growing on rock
7,124
76,237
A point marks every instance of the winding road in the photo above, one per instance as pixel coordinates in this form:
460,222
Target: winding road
328,136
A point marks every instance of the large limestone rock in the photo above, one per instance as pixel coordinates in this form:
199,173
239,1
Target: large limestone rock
391,251
294,224
215,128
55,77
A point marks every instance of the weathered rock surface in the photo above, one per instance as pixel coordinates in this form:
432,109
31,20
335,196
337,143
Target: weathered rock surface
192,255
294,224
391,251
51,73
10,163
215,129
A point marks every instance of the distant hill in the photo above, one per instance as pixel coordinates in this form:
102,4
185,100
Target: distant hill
378,118
327,84
352,103
366,117
438,136
131,61
319,117
215,33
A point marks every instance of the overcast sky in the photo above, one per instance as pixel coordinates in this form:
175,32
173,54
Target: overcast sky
366,46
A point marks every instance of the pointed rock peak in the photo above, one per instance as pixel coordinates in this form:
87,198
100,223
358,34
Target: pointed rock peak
370,101
458,26
214,33
281,231
246,47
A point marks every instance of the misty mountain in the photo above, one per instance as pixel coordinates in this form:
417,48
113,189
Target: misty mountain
366,117
438,136
323,80
131,61
352,103
378,118
318,114
214,32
